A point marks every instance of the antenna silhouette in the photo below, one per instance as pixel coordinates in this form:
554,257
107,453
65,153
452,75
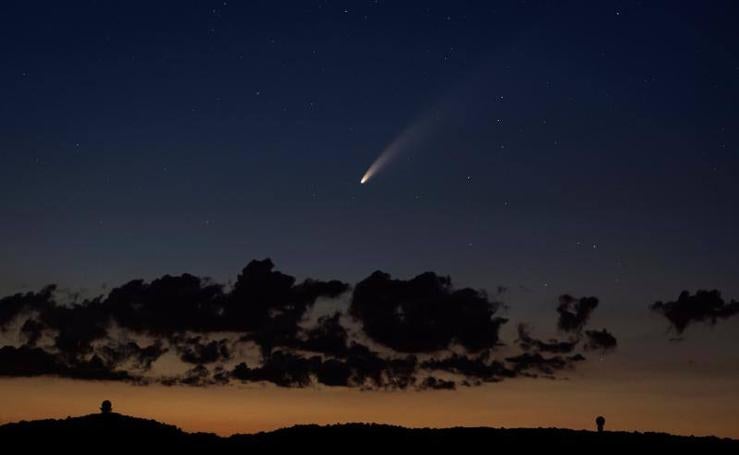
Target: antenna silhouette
600,422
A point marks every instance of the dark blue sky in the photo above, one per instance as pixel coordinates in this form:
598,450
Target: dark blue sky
575,147
549,147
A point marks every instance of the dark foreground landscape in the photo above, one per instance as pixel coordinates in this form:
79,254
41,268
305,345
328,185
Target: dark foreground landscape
116,432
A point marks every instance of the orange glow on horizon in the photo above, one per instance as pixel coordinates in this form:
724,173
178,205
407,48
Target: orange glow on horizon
525,403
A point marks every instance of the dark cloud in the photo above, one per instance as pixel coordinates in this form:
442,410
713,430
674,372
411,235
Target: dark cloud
117,353
270,306
32,331
400,373
261,294
77,326
15,305
478,367
29,361
528,343
328,336
167,305
198,376
262,300
195,350
333,373
360,367
367,367
600,340
284,369
703,306
432,383
481,368
533,364
574,313
420,333
425,314
96,368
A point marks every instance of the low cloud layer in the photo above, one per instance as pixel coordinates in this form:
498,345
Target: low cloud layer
703,306
383,333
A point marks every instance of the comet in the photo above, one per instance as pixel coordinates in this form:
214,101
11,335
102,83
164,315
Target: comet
385,157
407,139
435,121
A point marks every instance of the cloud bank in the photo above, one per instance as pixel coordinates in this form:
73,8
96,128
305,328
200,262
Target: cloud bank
383,333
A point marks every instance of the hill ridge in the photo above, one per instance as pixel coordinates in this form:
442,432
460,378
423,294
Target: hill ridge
95,432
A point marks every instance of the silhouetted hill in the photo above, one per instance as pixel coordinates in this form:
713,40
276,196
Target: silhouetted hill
101,432
117,433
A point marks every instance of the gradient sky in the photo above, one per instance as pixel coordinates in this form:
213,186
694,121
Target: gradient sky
587,148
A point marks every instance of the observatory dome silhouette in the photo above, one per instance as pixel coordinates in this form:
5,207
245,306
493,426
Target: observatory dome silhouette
106,407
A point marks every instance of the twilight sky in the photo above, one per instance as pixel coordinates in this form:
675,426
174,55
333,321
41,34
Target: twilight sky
577,161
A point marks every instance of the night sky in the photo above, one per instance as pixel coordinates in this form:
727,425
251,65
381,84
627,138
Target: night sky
533,150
